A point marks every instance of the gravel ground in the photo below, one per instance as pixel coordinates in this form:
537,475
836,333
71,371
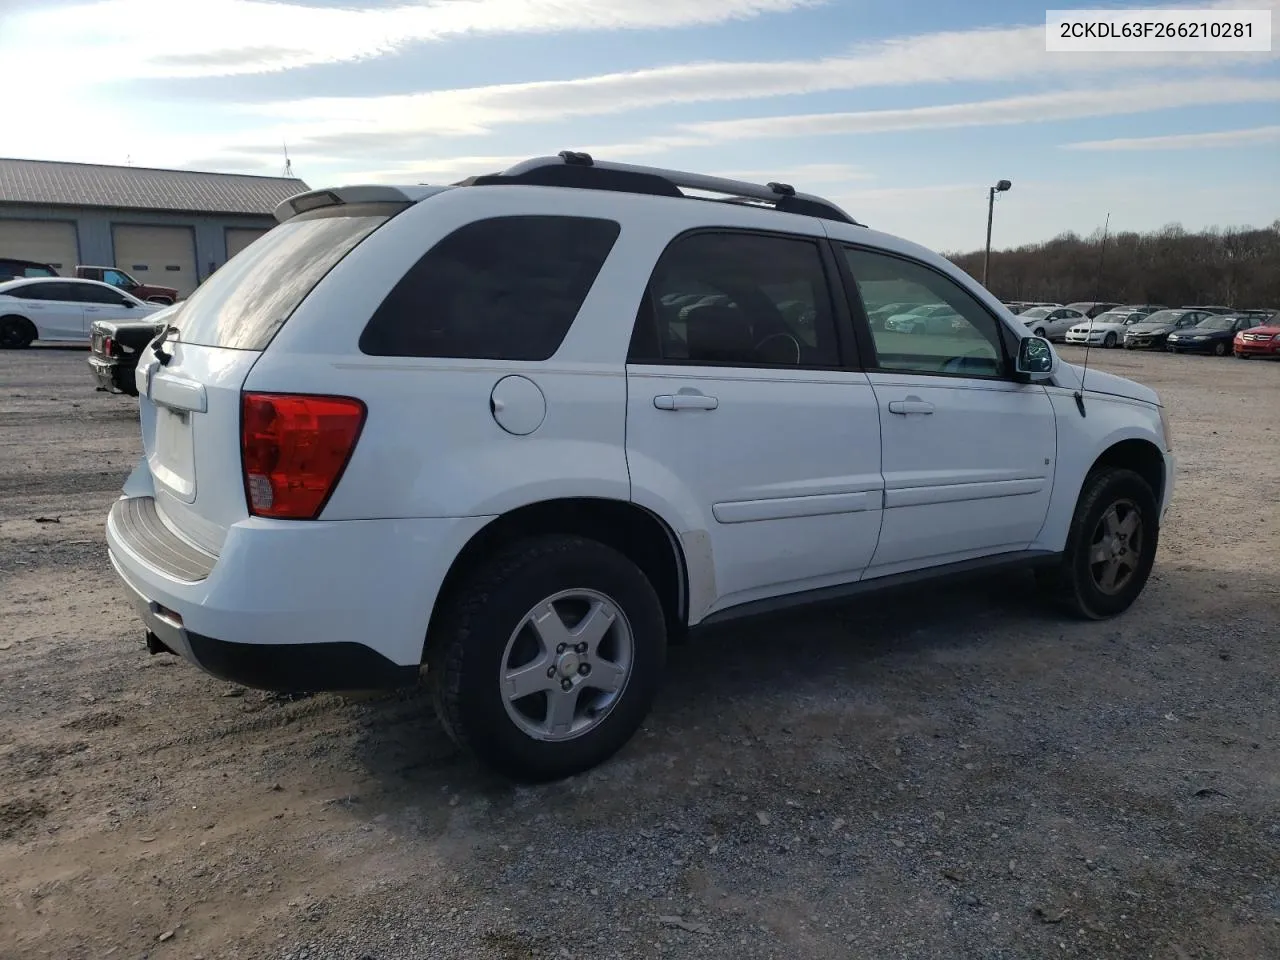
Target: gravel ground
957,773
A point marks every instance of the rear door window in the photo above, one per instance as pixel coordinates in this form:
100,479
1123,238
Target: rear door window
245,303
504,288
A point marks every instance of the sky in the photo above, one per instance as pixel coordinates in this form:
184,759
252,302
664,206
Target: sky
901,111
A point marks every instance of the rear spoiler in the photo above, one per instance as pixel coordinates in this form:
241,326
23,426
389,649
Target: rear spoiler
358,193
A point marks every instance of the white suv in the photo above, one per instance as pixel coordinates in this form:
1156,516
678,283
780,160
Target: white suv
527,429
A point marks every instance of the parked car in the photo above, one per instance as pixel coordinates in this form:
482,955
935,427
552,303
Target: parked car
1143,308
1091,308
1052,323
61,310
1155,328
154,293
12,268
1215,334
1106,329
1259,341
1210,309
297,522
115,345
929,318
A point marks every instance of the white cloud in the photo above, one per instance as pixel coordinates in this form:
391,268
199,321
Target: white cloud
1034,108
982,55
130,39
1184,141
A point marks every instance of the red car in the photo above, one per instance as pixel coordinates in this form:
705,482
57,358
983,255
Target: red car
1263,341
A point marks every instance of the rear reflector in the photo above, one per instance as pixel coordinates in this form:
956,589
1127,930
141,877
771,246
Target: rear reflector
293,449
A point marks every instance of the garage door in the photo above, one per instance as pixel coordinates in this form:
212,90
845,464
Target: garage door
165,256
46,241
240,237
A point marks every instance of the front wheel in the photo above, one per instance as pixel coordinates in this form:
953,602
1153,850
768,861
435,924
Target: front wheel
1219,349
1242,356
1039,331
1111,546
16,333
547,659
1109,340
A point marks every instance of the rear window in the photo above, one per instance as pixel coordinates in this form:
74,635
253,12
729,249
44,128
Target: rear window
246,302
505,288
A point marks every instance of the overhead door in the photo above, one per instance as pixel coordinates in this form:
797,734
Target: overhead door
240,237
165,256
47,241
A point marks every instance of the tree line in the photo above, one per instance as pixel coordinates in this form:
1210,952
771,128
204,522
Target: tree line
1238,267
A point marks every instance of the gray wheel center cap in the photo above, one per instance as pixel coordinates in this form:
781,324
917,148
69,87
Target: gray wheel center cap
567,664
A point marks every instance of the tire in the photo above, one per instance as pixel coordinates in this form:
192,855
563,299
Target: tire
1075,582
486,627
16,333
1109,341
1242,356
1219,349
1039,331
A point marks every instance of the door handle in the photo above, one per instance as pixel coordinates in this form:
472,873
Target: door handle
685,401
910,405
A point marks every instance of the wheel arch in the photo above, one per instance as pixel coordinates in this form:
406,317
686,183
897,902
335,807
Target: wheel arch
634,531
1141,456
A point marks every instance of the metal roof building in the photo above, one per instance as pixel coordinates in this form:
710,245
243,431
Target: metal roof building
167,227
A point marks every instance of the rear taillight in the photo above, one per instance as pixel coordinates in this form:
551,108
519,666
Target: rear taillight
108,346
293,449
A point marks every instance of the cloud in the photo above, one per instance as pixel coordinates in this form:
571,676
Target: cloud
1185,141
222,37
1034,108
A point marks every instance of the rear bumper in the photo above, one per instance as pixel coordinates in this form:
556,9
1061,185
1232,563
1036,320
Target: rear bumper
290,606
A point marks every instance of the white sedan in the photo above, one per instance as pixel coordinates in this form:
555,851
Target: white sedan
1104,330
62,310
1052,323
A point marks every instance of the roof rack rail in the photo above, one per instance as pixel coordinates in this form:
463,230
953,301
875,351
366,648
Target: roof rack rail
576,169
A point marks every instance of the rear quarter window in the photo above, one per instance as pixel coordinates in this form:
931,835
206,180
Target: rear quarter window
504,288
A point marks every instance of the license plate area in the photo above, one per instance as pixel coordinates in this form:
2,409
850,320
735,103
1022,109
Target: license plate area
174,462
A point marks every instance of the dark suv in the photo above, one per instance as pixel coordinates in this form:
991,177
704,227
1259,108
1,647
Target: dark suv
12,268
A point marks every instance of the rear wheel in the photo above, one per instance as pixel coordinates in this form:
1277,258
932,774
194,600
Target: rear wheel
16,333
547,659
1109,340
1111,546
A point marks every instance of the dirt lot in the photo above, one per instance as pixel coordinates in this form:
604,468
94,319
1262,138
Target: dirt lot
953,773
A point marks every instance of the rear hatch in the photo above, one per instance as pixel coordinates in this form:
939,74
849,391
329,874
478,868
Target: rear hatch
190,379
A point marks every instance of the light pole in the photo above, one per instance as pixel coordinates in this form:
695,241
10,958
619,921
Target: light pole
1000,187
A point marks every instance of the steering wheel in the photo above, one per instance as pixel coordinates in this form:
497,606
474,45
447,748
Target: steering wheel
795,344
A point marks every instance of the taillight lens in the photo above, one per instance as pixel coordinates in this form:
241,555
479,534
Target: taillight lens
108,346
293,449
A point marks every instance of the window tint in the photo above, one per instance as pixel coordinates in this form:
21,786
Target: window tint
963,339
737,298
44,291
89,293
506,288
116,278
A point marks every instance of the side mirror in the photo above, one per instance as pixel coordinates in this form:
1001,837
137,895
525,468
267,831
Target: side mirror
1036,360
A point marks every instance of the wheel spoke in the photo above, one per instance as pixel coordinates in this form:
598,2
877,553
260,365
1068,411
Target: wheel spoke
549,627
594,626
1129,524
1110,573
561,707
606,676
1111,522
529,679
1100,553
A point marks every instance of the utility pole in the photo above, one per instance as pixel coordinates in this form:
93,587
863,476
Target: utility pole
1000,187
